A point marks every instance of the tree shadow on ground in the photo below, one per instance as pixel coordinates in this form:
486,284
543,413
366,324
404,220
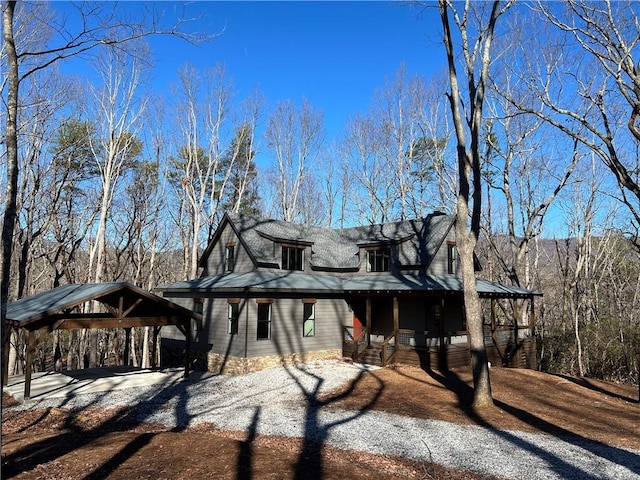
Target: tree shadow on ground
123,419
591,385
464,392
316,432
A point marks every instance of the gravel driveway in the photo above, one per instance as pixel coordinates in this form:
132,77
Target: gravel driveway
283,401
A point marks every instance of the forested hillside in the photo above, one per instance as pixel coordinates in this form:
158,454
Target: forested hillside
104,179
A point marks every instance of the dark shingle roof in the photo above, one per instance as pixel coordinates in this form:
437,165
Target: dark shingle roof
335,249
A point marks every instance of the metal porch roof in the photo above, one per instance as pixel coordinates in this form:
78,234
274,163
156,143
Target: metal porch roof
304,283
32,311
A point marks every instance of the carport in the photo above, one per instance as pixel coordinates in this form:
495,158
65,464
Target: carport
121,305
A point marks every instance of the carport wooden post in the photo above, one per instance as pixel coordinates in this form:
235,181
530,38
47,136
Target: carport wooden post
154,348
5,354
127,343
187,350
31,346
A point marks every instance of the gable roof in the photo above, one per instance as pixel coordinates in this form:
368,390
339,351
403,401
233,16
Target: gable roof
51,308
336,249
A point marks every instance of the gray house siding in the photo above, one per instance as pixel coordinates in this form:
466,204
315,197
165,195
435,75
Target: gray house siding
215,261
286,327
439,264
222,341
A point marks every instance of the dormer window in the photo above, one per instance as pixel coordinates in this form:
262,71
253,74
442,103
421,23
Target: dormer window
379,260
452,258
229,257
292,258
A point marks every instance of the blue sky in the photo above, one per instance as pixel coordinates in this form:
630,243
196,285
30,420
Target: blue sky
334,54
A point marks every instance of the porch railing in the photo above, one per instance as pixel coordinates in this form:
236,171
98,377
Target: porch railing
358,337
417,338
389,349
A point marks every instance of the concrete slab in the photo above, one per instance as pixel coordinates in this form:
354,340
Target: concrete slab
91,380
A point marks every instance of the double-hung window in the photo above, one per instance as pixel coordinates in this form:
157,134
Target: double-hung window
379,260
229,258
309,318
233,317
198,307
452,258
264,321
292,258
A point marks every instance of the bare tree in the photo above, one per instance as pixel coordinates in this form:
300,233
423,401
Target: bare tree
369,171
25,54
294,136
118,118
475,23
590,89
201,172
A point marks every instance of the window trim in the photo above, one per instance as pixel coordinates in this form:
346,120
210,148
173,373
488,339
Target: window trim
229,258
231,306
452,258
312,318
260,303
288,264
198,307
377,255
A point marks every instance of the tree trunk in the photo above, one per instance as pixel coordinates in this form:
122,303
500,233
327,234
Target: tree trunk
11,142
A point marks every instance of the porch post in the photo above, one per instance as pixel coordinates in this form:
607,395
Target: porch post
493,319
443,361
516,318
31,345
396,316
534,353
368,320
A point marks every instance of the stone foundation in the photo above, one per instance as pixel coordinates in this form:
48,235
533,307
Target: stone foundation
217,363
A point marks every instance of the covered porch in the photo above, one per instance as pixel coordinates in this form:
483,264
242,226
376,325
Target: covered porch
427,328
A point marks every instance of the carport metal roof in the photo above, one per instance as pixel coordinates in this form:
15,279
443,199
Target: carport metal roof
124,306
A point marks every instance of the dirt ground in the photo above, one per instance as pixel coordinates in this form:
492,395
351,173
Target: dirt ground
96,444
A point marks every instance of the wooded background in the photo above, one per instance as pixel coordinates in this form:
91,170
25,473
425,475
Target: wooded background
114,182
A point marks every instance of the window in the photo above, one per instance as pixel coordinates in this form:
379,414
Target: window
198,307
309,319
292,258
264,321
452,258
229,258
233,316
378,260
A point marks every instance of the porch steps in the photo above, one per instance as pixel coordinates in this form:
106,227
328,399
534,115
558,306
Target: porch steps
372,355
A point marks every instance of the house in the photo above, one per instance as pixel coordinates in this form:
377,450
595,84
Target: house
273,292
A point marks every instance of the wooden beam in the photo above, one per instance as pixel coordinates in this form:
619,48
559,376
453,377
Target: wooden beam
122,322
130,309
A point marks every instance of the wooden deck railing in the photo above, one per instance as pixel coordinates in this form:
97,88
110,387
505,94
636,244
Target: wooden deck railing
389,349
358,337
